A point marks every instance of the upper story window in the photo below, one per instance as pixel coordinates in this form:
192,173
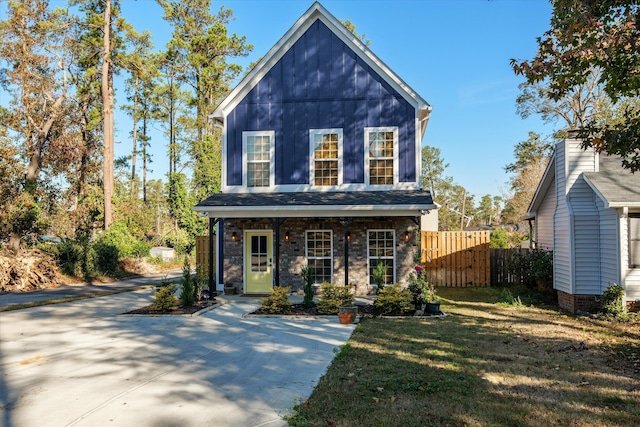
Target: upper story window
381,152
326,157
258,152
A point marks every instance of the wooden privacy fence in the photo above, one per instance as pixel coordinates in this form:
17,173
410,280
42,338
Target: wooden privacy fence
202,254
456,258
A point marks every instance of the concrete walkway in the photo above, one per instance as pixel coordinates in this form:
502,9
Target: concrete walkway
83,364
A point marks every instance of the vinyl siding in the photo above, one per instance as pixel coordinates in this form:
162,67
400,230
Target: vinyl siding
544,220
320,83
562,279
609,259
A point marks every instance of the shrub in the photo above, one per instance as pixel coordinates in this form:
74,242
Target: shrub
334,297
379,274
421,290
106,257
393,300
308,277
613,302
188,287
75,257
277,302
164,300
532,268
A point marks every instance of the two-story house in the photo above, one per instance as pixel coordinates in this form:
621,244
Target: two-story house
321,165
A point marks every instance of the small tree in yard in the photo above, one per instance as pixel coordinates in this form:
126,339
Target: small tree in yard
308,277
164,300
188,287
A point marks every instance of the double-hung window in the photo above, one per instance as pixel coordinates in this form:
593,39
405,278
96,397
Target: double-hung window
381,155
326,157
381,249
634,240
319,245
258,152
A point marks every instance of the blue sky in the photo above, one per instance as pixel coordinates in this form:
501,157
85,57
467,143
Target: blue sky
454,53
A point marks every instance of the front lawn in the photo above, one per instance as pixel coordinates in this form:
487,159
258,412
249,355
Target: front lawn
484,364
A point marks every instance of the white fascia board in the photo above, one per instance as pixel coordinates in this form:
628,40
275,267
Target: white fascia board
548,178
312,211
317,11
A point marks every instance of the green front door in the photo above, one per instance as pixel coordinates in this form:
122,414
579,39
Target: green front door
258,261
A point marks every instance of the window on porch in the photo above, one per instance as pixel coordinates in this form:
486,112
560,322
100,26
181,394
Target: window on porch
319,248
326,157
381,248
381,146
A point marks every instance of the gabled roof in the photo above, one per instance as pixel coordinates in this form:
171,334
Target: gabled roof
548,179
315,12
318,204
616,186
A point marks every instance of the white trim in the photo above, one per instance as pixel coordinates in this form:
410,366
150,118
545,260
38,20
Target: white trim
395,267
396,172
272,136
312,149
325,211
306,249
315,12
296,188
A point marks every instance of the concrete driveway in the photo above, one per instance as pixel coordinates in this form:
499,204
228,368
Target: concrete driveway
82,364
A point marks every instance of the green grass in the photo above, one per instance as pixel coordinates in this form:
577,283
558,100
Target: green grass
485,364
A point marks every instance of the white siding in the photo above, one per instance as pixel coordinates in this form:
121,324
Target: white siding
561,236
544,220
609,256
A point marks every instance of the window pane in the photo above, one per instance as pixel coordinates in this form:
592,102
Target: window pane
634,240
326,159
381,157
320,256
381,249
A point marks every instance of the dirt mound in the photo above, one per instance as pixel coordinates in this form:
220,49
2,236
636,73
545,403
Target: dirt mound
28,270
137,266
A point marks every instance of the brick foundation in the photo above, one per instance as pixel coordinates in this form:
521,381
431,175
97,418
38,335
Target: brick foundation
574,303
292,252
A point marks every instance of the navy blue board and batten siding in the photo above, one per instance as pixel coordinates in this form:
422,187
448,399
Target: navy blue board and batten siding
320,83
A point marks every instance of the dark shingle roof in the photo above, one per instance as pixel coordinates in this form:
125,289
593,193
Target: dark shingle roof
616,185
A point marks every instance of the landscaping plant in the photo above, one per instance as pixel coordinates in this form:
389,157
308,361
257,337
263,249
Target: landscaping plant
187,296
334,297
613,302
308,277
277,302
393,300
422,291
164,299
379,274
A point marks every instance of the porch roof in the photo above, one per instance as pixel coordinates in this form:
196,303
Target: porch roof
318,204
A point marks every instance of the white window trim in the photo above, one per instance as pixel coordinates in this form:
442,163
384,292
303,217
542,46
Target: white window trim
312,150
395,267
306,249
396,173
632,248
272,137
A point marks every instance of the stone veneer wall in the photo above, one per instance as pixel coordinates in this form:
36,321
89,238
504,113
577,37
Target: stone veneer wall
292,252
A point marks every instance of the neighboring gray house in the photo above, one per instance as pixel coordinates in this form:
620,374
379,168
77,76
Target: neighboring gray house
587,210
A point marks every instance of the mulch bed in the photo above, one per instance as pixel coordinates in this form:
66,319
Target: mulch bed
200,305
364,311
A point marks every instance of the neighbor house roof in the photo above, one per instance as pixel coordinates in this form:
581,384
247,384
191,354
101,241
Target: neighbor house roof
616,186
318,204
315,12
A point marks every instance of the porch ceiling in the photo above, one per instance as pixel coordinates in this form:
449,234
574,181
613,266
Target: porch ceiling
318,204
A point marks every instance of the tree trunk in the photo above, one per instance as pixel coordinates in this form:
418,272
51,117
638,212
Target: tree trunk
144,159
134,152
107,108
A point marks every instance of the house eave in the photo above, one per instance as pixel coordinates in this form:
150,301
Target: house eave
314,211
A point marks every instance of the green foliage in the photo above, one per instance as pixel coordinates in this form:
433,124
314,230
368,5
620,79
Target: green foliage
308,277
421,290
393,300
334,297
506,297
75,257
379,274
501,238
533,269
22,216
201,281
128,246
187,296
613,302
107,256
164,299
277,302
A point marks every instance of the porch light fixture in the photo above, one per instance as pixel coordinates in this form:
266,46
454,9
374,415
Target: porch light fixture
286,236
406,236
234,236
348,235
